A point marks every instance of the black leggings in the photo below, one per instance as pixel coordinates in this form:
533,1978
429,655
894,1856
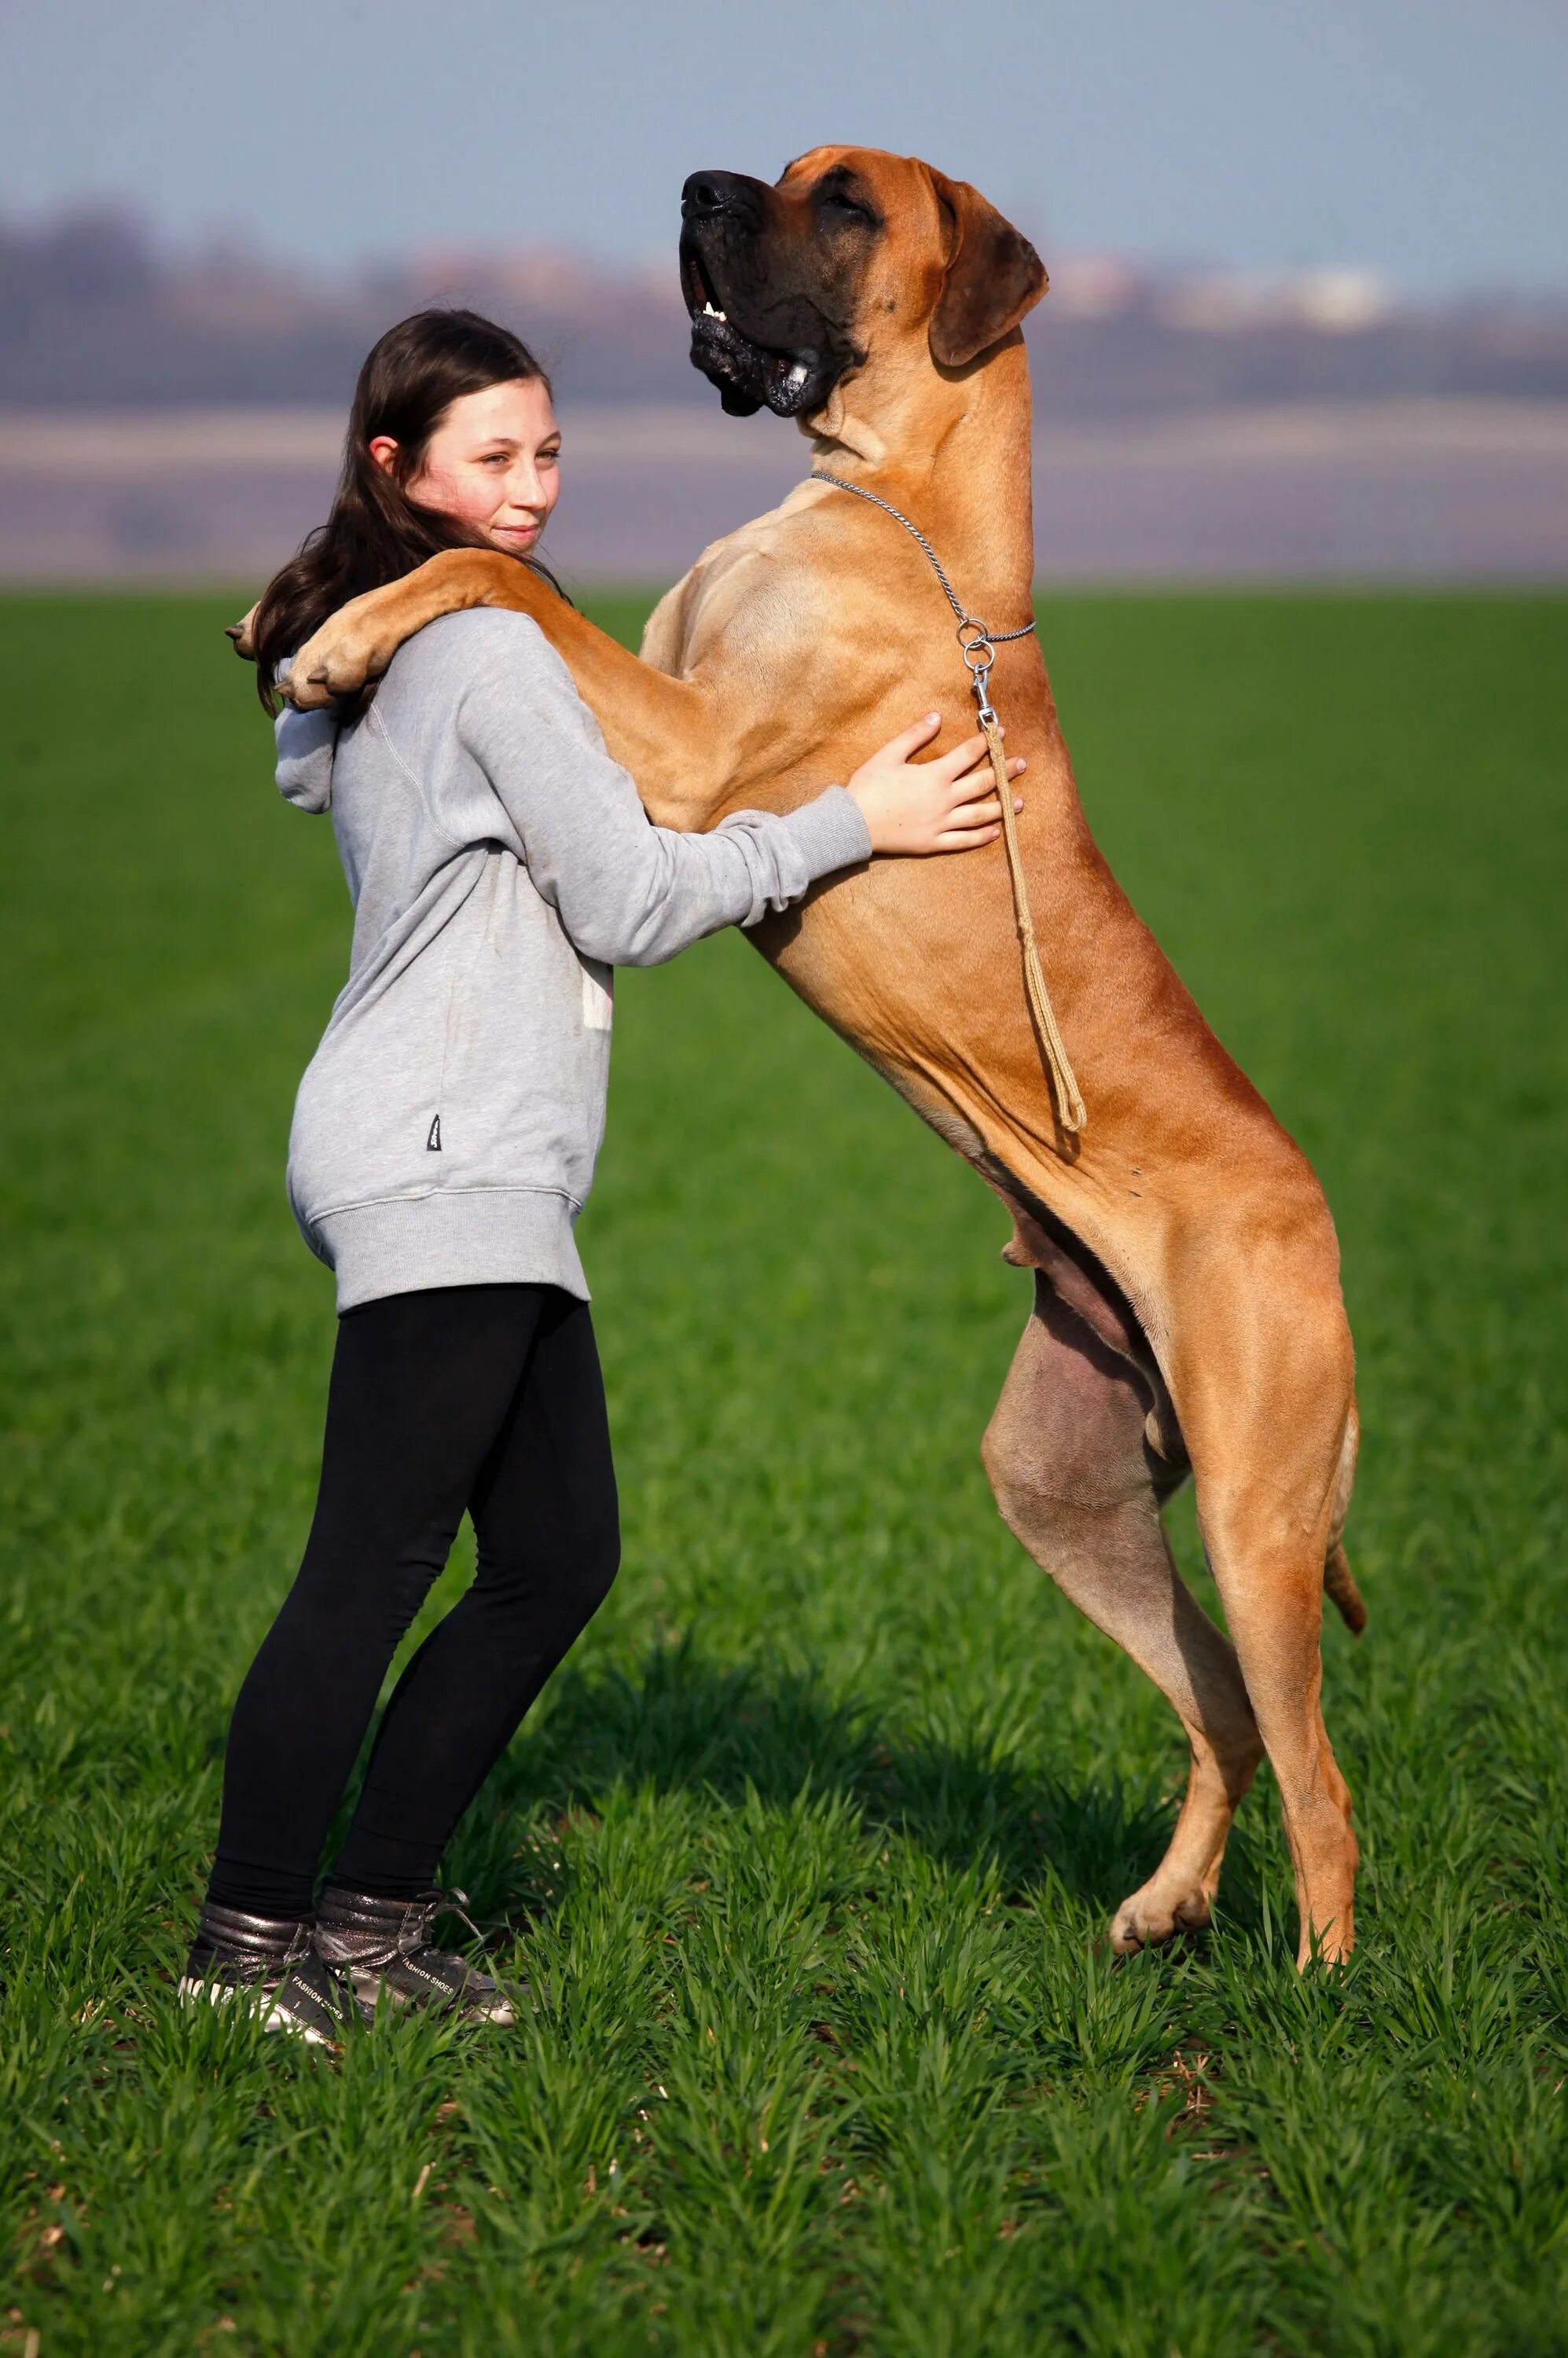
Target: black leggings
487,1397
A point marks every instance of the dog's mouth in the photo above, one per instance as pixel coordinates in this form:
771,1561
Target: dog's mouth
783,354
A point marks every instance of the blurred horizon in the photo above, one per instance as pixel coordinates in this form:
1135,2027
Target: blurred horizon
179,416
215,243
1309,306
97,309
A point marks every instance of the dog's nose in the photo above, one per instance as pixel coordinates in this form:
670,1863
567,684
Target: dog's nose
720,192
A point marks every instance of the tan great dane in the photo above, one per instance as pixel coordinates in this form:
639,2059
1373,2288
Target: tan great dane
1188,1310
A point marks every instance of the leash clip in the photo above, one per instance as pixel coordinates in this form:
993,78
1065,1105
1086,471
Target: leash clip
980,653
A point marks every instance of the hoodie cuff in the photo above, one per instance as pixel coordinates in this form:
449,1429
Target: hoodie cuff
829,833
306,742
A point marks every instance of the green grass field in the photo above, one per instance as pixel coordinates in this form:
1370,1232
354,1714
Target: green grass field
813,1839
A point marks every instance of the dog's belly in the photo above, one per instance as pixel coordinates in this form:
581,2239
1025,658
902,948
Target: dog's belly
886,957
860,960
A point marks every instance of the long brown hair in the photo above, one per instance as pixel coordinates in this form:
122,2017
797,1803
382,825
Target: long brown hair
375,533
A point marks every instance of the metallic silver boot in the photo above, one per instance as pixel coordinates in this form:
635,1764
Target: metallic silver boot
269,1964
385,1945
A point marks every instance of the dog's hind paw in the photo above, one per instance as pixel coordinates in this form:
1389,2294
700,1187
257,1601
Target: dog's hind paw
1151,1918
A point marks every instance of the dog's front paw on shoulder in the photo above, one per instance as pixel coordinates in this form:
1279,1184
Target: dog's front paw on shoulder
338,661
307,691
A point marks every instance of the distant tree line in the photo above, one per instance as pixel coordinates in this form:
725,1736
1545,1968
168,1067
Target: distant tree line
94,315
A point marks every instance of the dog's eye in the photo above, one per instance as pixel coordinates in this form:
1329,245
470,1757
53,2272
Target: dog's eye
839,208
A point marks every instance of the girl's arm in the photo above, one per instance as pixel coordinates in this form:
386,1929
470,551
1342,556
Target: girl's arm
635,894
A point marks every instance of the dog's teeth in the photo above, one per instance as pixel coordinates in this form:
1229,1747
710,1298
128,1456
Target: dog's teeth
710,313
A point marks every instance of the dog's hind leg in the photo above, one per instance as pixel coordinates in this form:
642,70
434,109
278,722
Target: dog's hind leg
1079,1485
1265,1416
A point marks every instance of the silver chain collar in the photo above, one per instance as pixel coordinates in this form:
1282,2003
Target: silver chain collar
978,644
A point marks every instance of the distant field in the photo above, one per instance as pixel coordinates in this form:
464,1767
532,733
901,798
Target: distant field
811,1841
1446,488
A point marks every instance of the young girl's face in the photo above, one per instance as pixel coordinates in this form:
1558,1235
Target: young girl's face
492,463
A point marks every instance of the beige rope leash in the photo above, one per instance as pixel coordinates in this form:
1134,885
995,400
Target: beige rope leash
1070,1106
979,647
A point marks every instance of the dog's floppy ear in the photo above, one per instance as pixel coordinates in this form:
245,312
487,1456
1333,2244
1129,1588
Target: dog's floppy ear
994,276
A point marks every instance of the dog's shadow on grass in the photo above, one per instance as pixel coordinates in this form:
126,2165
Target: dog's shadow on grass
684,1724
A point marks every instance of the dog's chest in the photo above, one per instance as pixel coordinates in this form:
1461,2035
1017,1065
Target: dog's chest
742,602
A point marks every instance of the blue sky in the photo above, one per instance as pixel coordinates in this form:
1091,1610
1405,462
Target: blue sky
1423,138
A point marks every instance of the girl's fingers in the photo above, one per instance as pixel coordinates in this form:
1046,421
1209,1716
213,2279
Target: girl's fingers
983,807
1016,769
910,740
972,824
981,780
979,773
966,756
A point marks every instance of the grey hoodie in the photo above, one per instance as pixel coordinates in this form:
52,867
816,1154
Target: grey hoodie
500,865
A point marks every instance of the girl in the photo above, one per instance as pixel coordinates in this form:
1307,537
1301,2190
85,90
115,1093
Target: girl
443,1144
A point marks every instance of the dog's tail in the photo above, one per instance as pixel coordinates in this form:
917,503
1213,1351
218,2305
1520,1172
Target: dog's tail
1339,1584
1337,1579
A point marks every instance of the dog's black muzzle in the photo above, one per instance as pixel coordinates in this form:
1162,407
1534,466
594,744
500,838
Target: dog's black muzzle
753,334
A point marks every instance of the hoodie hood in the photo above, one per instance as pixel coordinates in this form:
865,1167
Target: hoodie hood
307,745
